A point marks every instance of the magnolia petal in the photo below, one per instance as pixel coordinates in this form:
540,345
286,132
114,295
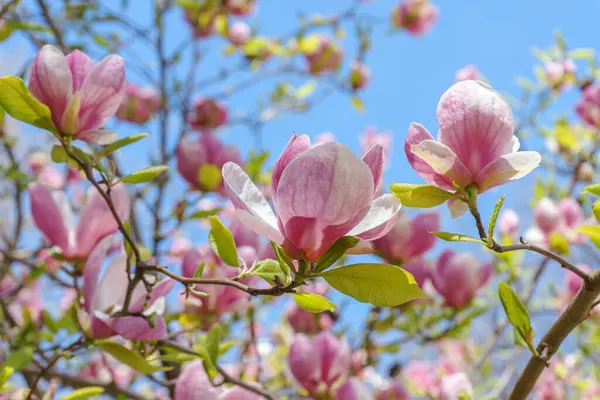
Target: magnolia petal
102,93
259,225
443,161
507,168
380,218
99,137
295,146
91,272
160,290
304,361
457,207
49,215
193,384
421,239
137,328
51,81
245,195
374,158
113,284
80,65
362,247
100,329
416,134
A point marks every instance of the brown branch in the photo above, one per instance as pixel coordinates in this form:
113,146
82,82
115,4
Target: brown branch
55,29
4,9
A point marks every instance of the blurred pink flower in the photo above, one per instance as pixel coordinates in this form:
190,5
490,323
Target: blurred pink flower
421,377
353,389
560,73
372,137
139,104
239,33
394,391
325,137
563,218
81,95
508,223
53,216
315,198
207,115
359,75
588,108
239,7
549,387
303,321
326,56
452,386
416,16
475,143
458,277
468,72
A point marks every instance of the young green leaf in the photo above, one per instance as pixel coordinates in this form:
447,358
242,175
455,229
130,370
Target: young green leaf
111,148
593,232
222,243
335,252
421,196
457,237
255,164
59,154
271,271
209,177
382,285
19,359
199,271
5,374
129,357
596,210
559,243
313,302
145,253
18,101
83,393
204,213
494,218
593,189
516,313
212,343
145,175
284,259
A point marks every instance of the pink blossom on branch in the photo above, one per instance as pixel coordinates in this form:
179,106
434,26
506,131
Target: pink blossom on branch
416,16
353,389
139,104
320,194
508,223
81,95
588,108
104,296
562,218
458,276
239,33
475,142
359,75
53,216
560,73
207,115
324,56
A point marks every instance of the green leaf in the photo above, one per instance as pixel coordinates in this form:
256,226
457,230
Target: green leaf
593,232
145,253
221,241
18,101
422,196
596,210
494,218
199,271
284,259
129,357
83,393
212,343
516,313
306,89
209,177
177,357
59,154
593,189
120,143
5,374
19,359
457,237
335,252
313,302
357,104
145,175
271,271
128,249
559,243
204,213
382,285
255,164
582,54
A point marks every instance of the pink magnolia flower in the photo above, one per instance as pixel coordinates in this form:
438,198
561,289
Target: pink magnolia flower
53,216
239,33
179,246
317,364
239,7
105,296
394,391
44,257
221,299
97,369
206,150
588,108
563,218
81,96
37,161
193,384
51,177
372,137
468,72
139,104
29,300
560,73
458,277
475,143
303,321
353,389
573,283
420,377
207,115
508,223
320,194
359,75
408,239
452,386
416,16
324,56
549,387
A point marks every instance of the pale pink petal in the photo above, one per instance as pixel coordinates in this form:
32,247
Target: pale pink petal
304,362
295,146
96,219
91,272
421,238
245,195
457,207
102,93
476,123
191,261
239,393
80,65
259,225
485,273
374,158
416,134
334,354
507,168
191,154
161,289
99,137
137,328
443,161
379,220
48,216
51,81
419,268
193,384
51,177
112,287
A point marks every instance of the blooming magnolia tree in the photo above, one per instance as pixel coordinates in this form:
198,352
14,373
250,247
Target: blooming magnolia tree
127,303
